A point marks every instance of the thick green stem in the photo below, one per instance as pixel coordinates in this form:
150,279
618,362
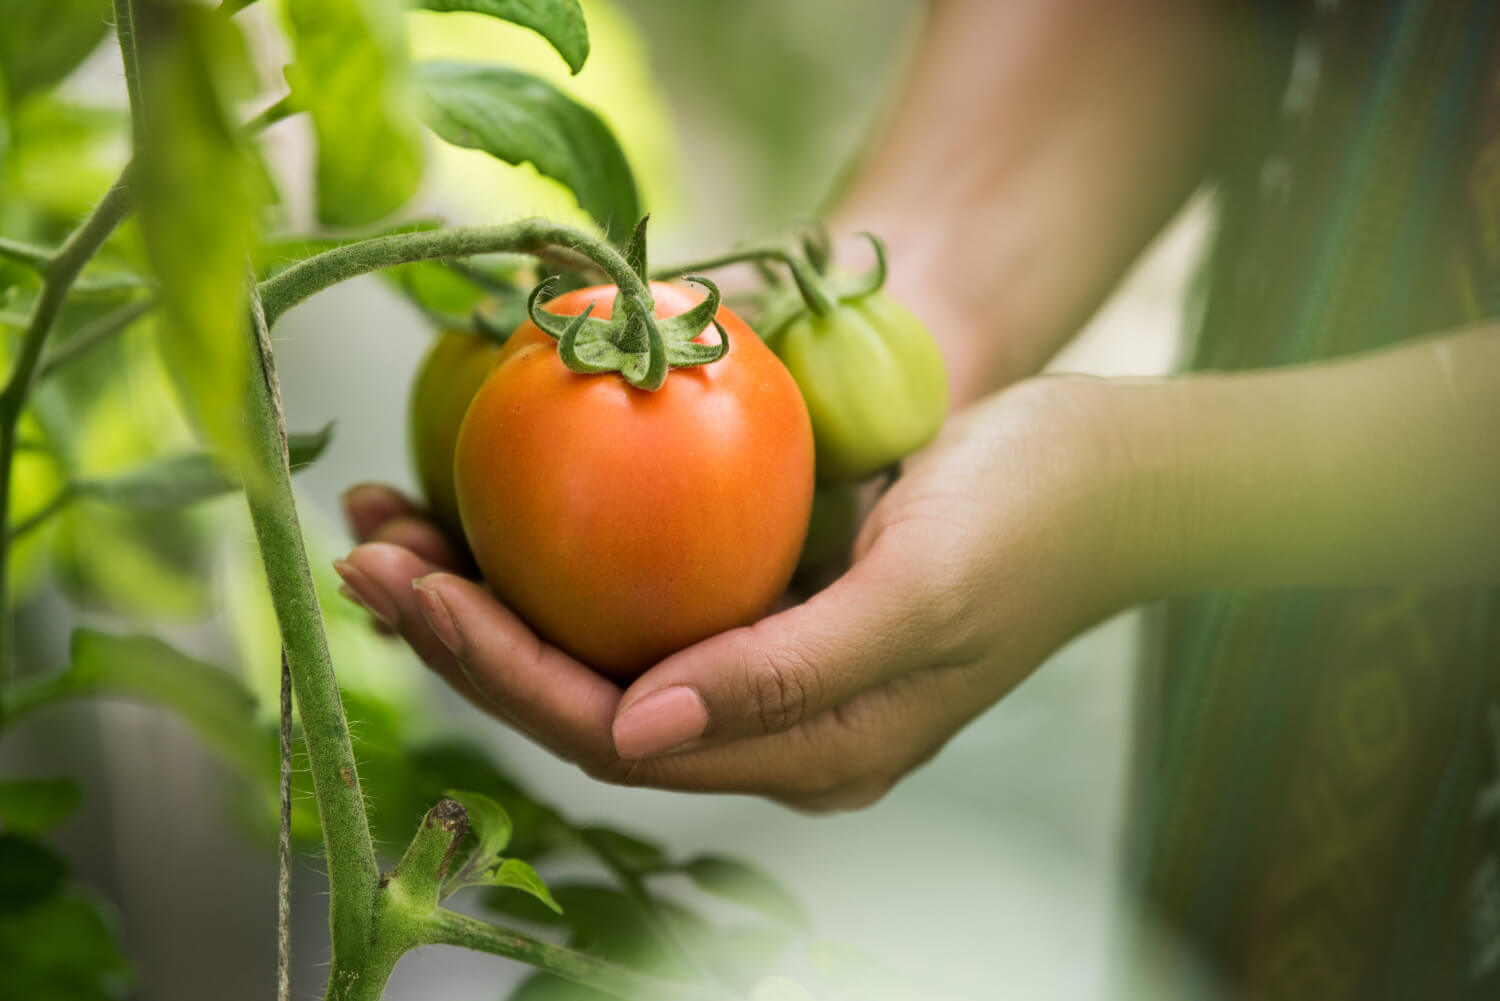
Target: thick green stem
58,275
531,236
353,876
449,928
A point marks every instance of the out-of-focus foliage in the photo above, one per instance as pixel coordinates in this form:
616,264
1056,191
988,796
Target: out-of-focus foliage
199,190
560,22
351,75
615,84
43,40
519,118
57,941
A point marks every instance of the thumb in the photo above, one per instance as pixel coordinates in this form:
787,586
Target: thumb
870,625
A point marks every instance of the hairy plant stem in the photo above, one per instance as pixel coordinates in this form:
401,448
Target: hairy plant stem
284,842
353,875
58,275
530,236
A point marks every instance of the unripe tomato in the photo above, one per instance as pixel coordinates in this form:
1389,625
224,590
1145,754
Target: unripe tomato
831,527
621,524
874,383
450,375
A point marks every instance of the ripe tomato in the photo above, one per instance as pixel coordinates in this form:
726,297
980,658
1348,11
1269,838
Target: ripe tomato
450,375
621,524
874,382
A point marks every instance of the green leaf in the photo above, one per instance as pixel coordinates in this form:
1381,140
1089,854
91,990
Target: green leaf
63,949
560,22
44,40
485,866
519,875
29,872
180,480
215,703
35,806
351,75
518,118
491,827
199,190
747,886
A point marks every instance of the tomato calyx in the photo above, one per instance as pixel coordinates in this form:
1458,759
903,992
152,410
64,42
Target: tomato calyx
633,342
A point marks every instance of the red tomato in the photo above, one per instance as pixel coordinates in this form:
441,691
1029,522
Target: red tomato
623,525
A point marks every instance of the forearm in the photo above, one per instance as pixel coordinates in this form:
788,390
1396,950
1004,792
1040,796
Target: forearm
1377,470
1039,145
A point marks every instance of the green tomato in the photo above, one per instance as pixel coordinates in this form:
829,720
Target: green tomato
830,530
874,383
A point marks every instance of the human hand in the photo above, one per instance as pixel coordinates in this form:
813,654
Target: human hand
997,545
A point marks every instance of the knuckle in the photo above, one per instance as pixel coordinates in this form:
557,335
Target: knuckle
783,685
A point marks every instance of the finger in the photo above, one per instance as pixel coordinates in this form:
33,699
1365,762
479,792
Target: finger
380,575
563,704
425,539
367,506
869,626
842,759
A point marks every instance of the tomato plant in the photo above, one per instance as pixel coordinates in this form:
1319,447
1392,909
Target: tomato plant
668,515
171,229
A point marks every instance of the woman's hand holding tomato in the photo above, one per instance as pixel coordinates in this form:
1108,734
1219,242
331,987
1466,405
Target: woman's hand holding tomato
994,547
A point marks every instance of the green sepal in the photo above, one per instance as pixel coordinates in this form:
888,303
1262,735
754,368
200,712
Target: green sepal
647,370
679,331
633,342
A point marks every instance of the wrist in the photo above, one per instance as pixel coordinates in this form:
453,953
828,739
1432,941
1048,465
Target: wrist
1141,483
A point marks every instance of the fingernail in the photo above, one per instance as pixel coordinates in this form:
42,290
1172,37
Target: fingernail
660,721
435,611
361,589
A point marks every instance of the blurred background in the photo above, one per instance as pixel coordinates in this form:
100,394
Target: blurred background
994,870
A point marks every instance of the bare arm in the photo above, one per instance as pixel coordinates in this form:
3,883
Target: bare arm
1038,146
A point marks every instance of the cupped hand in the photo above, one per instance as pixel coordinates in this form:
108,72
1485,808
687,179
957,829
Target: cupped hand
993,549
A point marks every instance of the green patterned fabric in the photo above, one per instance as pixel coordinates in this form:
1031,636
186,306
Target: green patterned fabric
1318,803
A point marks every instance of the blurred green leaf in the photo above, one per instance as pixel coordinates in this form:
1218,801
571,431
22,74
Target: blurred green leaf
44,40
747,886
29,872
560,22
35,806
519,118
139,564
212,701
179,480
60,158
625,851
198,190
62,949
351,75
